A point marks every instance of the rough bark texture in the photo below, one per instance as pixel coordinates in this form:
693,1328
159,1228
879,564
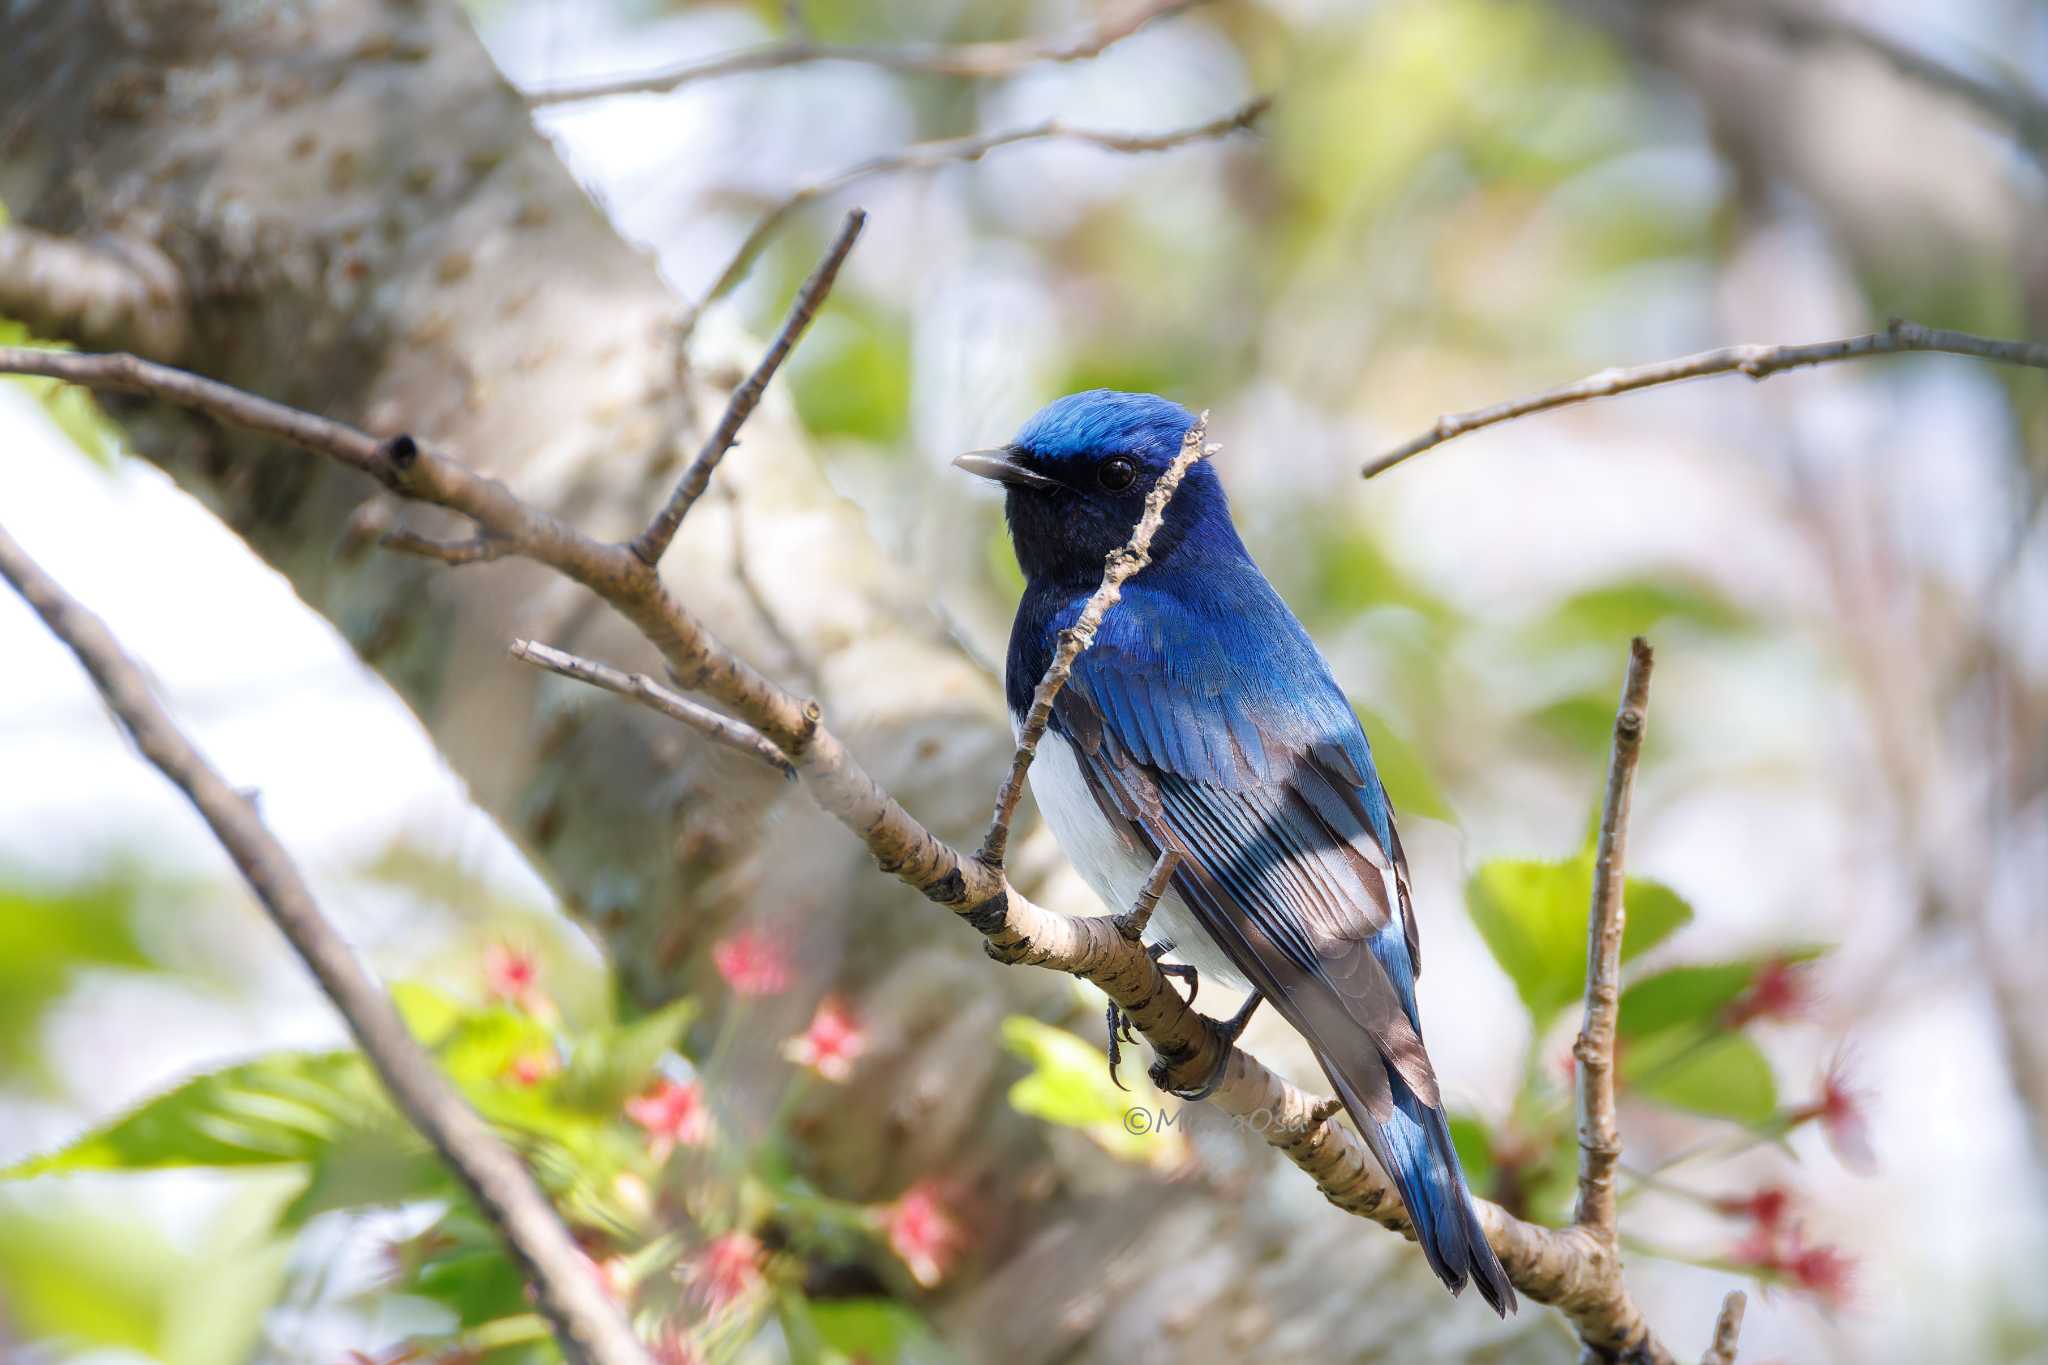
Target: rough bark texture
367,226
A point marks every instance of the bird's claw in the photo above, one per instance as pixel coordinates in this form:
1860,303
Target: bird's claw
1227,1033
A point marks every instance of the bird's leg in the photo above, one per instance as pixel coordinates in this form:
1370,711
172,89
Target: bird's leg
1120,1023
1175,969
1228,1032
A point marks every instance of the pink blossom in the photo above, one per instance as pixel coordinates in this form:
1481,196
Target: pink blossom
674,1114
727,1269
1780,990
1824,1272
1765,1207
512,975
673,1347
1844,1117
752,963
831,1043
1827,1273
531,1068
923,1234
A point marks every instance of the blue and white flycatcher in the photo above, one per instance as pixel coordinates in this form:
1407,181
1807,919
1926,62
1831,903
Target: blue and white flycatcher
1205,720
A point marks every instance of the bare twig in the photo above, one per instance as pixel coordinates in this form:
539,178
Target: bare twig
115,292
1727,1330
1758,362
968,61
470,550
1132,923
1599,1134
929,155
653,542
1120,566
590,1329
1568,1268
645,690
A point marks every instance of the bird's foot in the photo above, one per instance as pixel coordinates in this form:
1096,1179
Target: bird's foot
1120,1023
1227,1033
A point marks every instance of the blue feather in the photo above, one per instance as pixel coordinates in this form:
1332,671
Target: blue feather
1206,719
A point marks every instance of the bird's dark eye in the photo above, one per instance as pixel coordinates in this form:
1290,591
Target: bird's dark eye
1116,473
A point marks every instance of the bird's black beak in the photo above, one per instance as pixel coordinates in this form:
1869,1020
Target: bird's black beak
1002,466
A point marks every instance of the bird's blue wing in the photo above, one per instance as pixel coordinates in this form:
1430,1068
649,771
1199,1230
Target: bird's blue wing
1212,725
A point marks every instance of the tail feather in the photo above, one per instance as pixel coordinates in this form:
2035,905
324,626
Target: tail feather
1414,1148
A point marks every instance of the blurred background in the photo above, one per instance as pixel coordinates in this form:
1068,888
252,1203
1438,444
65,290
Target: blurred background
1835,1048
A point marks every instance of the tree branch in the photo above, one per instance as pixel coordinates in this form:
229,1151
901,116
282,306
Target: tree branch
1569,1268
651,694
1599,1134
589,1327
928,155
1727,1330
654,541
1121,565
1758,362
120,293
967,61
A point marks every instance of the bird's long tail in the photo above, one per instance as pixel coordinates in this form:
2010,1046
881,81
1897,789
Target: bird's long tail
1414,1146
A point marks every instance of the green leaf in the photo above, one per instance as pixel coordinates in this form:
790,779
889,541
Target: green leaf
72,408
1069,1079
880,1330
1069,1085
284,1108
1724,1075
1402,771
459,1264
610,1065
851,377
1533,917
1583,723
84,1274
46,938
1617,611
1475,1149
1353,574
1695,994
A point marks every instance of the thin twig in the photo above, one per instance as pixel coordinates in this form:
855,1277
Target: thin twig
1599,1133
967,61
589,1327
469,550
1727,1330
1758,362
1075,639
1565,1267
653,542
720,729
929,155
1132,924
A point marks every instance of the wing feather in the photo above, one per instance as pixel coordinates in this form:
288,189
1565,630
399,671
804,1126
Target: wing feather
1290,861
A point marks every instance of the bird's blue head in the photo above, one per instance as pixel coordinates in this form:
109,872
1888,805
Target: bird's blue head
1077,476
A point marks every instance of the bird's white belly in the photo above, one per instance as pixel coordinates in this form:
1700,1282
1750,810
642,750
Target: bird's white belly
1116,870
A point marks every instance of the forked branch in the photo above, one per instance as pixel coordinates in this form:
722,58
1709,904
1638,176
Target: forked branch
1758,362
